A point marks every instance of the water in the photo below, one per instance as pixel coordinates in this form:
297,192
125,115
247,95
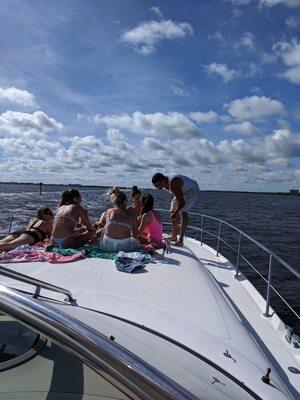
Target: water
273,220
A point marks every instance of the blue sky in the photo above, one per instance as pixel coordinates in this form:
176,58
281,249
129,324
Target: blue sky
111,91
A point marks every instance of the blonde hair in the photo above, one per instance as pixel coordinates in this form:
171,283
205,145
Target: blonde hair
117,197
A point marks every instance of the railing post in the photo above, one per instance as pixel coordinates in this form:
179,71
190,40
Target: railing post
268,301
201,237
37,292
237,269
219,235
10,223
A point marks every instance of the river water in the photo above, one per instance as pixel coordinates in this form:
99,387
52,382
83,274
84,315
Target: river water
271,219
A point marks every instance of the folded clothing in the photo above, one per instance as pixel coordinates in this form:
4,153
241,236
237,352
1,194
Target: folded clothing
131,262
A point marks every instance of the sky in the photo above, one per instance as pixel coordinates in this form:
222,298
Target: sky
108,92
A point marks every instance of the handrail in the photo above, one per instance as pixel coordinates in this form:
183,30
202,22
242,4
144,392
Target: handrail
10,223
272,256
36,282
123,369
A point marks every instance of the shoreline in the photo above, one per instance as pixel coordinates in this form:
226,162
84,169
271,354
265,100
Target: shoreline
128,188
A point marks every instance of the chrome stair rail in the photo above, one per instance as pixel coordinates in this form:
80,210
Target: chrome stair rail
36,282
272,256
123,369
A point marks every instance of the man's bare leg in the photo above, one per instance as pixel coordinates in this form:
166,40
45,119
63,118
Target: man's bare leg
183,226
174,223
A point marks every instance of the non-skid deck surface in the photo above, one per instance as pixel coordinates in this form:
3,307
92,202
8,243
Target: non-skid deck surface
175,296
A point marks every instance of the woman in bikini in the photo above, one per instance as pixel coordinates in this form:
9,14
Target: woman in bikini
70,212
150,230
38,229
119,225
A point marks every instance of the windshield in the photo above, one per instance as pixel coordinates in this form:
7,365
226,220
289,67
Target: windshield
16,341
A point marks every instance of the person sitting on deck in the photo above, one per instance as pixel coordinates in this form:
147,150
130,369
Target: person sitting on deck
39,228
69,214
119,225
136,206
150,230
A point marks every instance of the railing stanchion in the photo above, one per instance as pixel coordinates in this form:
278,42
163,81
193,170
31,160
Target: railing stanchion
268,301
10,222
237,269
219,235
201,233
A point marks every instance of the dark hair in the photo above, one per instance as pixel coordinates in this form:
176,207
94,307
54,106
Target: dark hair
157,177
147,202
39,216
68,196
135,191
117,196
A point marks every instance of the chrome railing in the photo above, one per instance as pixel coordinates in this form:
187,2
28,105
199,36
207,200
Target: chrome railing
9,273
271,256
10,222
120,367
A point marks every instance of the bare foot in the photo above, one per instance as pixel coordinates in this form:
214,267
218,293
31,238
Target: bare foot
171,238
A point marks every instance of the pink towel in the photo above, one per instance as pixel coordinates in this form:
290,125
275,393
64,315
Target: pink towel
38,255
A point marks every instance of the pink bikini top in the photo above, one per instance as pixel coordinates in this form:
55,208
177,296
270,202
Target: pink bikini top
154,229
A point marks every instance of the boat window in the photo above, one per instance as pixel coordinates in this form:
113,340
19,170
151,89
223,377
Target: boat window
17,343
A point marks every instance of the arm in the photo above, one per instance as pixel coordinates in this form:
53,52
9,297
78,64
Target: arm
85,219
176,187
134,226
49,230
144,222
101,221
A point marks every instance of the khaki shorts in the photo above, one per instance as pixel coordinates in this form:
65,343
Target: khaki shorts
189,199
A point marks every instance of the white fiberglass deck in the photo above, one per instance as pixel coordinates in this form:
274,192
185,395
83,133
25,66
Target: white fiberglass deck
184,297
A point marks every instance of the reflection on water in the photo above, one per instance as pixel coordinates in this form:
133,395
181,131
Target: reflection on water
273,220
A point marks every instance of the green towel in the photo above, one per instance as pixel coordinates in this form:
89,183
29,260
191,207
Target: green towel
90,251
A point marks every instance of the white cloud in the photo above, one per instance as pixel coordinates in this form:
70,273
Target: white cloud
114,136
208,117
242,128
18,97
180,89
271,3
292,74
246,41
282,143
254,107
222,70
292,22
218,37
157,11
290,54
172,124
145,36
19,123
267,3
80,158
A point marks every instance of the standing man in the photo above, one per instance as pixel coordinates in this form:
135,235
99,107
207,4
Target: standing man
186,192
